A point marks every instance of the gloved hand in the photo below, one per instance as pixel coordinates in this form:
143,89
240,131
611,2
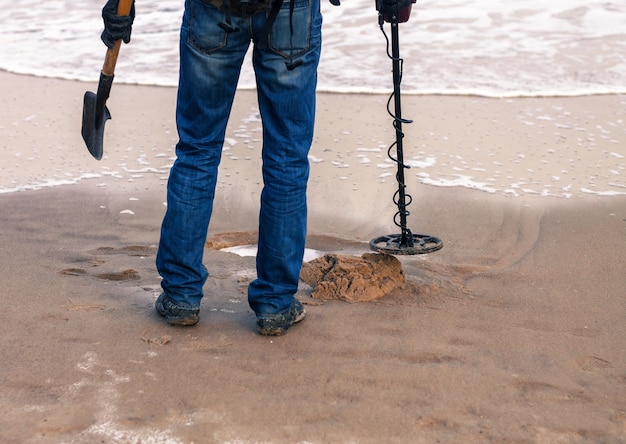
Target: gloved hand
392,6
116,27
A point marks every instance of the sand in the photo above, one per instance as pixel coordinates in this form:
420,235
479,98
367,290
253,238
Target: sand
514,332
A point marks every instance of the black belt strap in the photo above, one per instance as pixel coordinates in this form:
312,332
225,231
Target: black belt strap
271,18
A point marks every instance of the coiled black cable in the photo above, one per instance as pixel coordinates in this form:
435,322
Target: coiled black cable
400,198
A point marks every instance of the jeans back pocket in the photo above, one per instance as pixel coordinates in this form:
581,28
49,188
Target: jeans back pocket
205,34
281,39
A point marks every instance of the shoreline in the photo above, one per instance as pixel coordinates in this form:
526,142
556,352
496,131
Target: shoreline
386,93
564,147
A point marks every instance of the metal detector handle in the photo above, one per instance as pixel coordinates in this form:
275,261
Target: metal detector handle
394,10
123,8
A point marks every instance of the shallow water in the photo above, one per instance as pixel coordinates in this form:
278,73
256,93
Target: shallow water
490,48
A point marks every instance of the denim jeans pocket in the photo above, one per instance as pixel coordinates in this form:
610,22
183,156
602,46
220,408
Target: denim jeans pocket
205,34
281,39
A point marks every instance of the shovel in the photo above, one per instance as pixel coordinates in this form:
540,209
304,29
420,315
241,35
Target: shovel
95,111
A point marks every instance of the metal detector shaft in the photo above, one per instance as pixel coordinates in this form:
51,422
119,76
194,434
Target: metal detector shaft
405,243
407,237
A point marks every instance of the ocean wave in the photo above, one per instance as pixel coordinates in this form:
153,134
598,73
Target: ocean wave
517,48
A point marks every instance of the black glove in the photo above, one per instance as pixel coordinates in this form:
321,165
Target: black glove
116,27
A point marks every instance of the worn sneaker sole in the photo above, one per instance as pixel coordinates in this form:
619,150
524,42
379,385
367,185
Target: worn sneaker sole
174,315
278,324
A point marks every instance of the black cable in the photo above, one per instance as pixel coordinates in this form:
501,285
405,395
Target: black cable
400,198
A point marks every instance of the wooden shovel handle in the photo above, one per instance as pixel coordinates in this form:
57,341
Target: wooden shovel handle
123,8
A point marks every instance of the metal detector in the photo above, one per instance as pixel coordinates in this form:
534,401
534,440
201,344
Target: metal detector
406,242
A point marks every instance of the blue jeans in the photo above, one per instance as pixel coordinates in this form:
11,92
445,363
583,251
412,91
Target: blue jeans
210,63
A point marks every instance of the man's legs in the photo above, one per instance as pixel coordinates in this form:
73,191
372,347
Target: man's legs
210,62
287,105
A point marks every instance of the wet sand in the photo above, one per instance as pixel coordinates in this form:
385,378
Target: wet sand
514,332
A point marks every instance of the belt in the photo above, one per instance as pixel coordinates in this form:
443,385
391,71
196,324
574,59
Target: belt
240,8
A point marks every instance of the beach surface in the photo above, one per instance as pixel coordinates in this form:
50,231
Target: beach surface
514,332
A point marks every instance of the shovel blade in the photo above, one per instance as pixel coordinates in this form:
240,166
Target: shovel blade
93,124
95,115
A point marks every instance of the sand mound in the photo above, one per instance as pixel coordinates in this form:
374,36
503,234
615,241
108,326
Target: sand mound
353,279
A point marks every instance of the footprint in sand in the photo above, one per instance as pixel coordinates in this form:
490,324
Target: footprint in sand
124,275
593,363
85,307
535,391
74,271
131,250
128,274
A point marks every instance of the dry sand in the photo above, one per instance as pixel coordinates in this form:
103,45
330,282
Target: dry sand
514,332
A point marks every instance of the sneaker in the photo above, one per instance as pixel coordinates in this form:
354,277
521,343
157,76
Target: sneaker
175,315
278,324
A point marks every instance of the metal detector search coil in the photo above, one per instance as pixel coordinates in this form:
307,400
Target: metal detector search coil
418,244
